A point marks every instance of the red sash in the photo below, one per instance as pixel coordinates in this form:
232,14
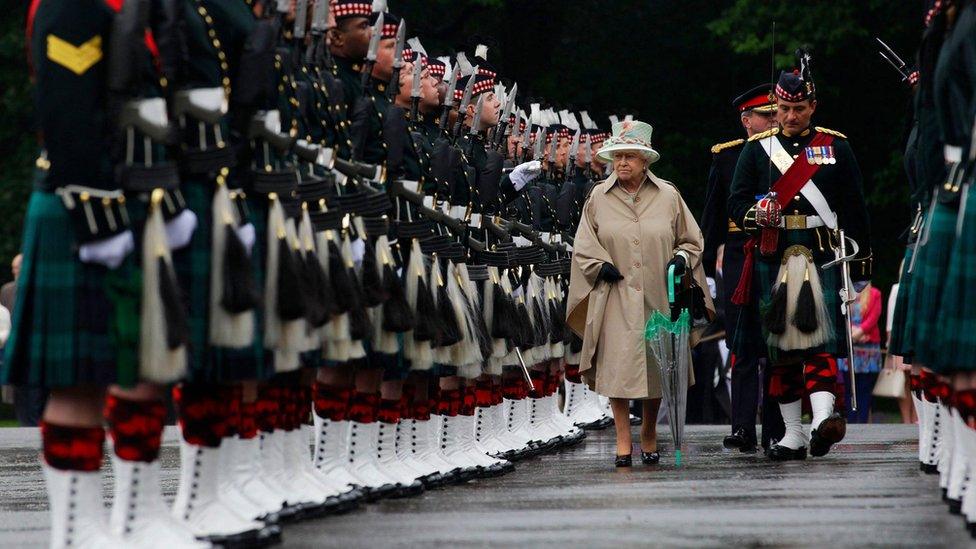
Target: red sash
786,189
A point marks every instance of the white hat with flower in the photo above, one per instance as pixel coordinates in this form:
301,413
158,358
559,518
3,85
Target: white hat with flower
629,135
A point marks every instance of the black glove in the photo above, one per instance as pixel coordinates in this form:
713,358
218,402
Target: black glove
609,273
679,265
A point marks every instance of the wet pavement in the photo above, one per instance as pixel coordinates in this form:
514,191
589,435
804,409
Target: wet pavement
868,492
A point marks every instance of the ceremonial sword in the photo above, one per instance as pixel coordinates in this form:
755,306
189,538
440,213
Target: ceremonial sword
847,297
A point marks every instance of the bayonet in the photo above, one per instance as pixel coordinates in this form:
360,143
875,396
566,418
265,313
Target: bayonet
573,150
588,156
540,143
476,123
415,86
401,38
527,140
320,22
374,46
465,101
553,145
449,100
506,114
301,19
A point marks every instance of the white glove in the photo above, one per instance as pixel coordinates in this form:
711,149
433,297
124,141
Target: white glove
525,172
180,229
712,288
358,251
247,235
109,251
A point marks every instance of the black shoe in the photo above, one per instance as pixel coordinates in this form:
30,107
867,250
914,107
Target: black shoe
928,468
782,453
650,458
415,488
955,506
624,461
740,440
829,432
635,420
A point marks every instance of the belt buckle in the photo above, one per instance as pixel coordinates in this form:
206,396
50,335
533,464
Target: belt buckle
795,222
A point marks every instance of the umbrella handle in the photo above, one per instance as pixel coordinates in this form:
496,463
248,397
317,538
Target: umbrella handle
671,284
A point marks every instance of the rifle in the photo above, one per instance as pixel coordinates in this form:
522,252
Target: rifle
394,88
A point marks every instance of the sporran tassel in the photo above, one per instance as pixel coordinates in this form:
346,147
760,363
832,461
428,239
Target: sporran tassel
162,327
233,293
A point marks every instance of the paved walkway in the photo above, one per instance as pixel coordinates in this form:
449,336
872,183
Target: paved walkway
868,492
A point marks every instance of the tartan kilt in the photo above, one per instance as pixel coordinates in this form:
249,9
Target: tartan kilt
62,326
206,363
957,316
897,344
929,281
750,330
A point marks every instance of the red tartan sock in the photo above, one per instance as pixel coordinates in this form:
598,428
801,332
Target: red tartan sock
510,389
248,425
555,378
201,413
232,396
332,401
420,410
928,381
289,407
136,427
820,373
72,448
449,403
389,410
468,399
538,384
406,407
496,393
433,399
786,383
915,382
483,393
573,373
305,405
266,409
363,407
965,403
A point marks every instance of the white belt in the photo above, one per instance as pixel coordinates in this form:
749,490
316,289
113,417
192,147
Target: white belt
794,222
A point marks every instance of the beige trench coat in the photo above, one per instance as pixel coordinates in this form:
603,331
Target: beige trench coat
638,234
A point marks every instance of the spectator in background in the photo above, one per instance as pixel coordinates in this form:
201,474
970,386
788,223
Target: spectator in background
28,401
865,314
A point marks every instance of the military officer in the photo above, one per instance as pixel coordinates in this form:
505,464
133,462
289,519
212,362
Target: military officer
817,186
756,108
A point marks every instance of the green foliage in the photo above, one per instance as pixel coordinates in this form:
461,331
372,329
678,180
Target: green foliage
17,143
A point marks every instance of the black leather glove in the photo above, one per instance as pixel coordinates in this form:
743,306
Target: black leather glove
609,273
679,265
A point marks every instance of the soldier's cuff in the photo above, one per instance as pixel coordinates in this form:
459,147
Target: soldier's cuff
96,214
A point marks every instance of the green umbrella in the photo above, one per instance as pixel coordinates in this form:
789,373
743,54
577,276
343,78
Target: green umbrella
668,341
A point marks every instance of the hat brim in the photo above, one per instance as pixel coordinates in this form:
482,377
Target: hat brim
606,153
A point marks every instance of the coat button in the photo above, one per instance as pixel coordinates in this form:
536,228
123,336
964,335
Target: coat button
636,199
638,288
637,264
636,220
636,242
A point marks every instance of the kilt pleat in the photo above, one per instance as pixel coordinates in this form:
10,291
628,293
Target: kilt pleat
898,342
60,335
957,317
925,301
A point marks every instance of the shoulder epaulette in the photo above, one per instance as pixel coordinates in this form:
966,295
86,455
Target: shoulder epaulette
764,134
727,145
828,131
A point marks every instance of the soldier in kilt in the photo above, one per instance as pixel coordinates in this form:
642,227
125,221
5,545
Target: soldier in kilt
948,256
783,280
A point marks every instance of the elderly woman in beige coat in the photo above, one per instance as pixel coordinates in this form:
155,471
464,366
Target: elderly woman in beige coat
634,225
